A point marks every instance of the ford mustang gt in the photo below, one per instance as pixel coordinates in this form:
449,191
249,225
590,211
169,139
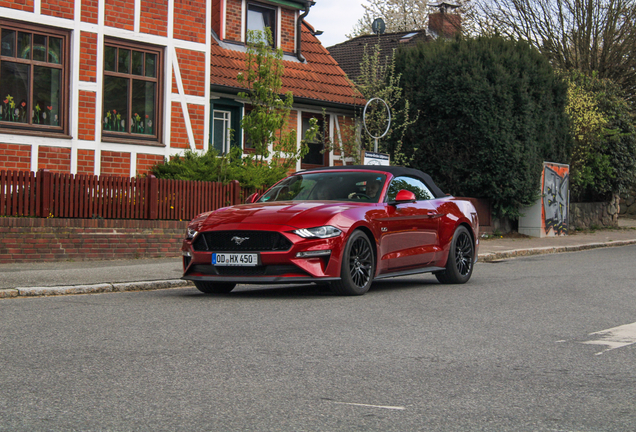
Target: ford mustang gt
345,226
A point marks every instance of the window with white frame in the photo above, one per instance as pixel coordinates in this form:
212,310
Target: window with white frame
259,17
221,121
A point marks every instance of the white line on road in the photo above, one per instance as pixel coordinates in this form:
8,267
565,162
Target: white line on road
616,337
371,406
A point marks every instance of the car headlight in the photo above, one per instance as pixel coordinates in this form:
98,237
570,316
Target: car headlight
326,231
190,233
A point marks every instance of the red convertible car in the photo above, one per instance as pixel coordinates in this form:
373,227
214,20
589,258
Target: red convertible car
346,226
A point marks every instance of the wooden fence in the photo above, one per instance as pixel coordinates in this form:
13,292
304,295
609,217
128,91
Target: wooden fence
45,194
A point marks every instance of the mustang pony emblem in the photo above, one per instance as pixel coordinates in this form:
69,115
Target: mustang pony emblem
239,240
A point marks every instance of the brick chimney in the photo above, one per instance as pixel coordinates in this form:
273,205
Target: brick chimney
444,23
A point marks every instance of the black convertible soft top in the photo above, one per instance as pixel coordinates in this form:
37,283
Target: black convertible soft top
393,170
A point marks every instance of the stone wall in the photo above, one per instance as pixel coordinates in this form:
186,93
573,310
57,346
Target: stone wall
598,214
628,204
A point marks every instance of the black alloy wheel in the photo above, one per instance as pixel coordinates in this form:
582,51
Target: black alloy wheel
461,257
358,266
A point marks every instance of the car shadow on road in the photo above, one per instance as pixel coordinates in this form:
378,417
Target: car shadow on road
314,290
403,284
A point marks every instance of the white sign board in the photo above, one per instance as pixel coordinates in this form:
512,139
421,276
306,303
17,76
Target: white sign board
373,158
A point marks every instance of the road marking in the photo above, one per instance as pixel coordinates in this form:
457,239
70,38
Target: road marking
616,337
399,408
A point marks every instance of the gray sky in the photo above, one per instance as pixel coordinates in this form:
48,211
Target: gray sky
336,18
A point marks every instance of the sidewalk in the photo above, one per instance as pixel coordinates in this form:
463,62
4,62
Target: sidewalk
85,277
502,248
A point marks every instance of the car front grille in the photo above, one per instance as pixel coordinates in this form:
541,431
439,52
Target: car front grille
241,241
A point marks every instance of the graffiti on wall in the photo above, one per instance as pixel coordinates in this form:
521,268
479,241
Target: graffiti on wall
555,198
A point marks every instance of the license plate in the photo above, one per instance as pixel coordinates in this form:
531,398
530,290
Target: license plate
235,259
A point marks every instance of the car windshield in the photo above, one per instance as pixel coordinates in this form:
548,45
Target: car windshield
357,186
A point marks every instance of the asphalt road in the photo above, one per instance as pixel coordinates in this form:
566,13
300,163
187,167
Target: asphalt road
505,352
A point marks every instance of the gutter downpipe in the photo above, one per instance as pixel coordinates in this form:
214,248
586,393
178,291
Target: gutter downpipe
299,23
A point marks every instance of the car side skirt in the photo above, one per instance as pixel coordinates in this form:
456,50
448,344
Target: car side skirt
409,272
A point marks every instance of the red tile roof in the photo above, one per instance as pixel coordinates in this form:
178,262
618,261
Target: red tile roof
319,79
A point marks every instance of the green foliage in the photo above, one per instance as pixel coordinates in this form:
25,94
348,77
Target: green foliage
491,112
248,170
378,79
604,134
265,127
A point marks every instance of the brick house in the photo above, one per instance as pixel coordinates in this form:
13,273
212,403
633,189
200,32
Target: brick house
114,86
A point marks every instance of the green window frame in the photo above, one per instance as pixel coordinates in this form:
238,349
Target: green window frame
318,155
226,113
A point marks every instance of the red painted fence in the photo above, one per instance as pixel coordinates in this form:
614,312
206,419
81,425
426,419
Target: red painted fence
45,194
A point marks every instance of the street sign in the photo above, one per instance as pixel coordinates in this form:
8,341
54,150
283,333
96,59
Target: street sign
374,158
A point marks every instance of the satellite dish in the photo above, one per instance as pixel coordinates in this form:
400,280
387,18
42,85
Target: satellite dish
378,26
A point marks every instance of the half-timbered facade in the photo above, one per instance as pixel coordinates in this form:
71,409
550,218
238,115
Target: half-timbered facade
114,86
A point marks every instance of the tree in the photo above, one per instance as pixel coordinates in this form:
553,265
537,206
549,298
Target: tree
378,79
491,112
265,124
602,127
404,15
398,15
587,35
275,147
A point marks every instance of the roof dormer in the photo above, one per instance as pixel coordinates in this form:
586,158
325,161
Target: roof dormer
233,18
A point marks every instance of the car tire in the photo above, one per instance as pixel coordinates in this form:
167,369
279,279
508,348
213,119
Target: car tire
357,267
214,287
461,258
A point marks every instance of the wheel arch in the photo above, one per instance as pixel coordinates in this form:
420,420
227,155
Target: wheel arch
470,230
446,249
367,231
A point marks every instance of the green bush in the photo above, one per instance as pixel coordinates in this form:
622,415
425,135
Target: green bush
491,112
249,171
602,126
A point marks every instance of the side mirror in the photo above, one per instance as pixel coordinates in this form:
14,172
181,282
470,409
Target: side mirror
403,196
252,198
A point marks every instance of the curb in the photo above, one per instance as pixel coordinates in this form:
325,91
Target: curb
496,256
93,289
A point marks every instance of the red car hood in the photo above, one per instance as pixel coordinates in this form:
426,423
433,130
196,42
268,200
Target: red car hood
302,214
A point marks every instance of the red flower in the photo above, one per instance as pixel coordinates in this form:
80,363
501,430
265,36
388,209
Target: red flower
114,111
6,101
49,107
23,104
146,115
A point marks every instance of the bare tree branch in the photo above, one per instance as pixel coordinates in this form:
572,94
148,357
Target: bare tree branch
399,15
589,35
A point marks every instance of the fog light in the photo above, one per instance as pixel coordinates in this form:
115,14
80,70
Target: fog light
311,254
